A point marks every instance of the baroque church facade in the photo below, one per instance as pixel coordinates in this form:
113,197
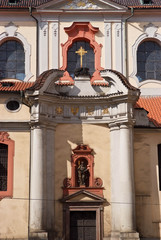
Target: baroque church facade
80,122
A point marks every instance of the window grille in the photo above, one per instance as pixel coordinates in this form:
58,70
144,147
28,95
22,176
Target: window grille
3,166
149,61
12,60
74,59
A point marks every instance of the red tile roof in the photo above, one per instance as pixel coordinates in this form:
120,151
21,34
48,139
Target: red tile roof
153,106
36,3
22,3
138,3
14,86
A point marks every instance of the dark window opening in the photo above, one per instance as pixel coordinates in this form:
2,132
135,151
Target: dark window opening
149,61
159,165
13,1
12,60
75,59
3,166
147,1
13,105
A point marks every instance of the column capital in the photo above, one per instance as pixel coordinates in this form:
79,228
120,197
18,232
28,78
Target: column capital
43,126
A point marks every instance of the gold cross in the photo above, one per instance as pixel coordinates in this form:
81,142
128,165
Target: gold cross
81,52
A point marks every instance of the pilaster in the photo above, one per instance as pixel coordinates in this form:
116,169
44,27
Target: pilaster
118,47
55,45
43,47
108,46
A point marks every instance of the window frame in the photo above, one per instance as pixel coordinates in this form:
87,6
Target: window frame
149,35
12,34
16,59
4,139
82,31
147,61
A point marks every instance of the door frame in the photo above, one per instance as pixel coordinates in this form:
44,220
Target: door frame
83,207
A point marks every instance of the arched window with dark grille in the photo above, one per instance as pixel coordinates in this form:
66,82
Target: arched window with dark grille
3,166
80,55
149,61
159,165
12,60
6,165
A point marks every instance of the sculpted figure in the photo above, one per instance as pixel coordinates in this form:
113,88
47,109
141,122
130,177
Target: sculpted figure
82,173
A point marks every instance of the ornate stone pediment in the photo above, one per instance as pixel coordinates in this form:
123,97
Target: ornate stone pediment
84,4
83,196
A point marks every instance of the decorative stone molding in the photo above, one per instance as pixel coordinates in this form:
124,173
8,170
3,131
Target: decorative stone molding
82,31
43,47
84,4
108,46
150,33
11,33
118,47
55,44
82,153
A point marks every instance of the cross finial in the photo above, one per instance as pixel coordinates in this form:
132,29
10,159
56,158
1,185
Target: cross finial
81,52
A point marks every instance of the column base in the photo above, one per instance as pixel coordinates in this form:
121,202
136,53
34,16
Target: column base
123,236
38,236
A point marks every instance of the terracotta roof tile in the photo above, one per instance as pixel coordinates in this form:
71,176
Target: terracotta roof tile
153,106
36,3
42,78
122,78
22,3
14,86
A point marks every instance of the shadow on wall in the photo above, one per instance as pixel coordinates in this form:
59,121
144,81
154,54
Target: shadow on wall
67,137
146,184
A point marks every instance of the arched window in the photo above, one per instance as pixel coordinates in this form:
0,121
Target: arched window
149,61
80,54
3,166
6,165
12,60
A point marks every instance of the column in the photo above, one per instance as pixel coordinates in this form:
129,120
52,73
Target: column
36,179
127,193
122,181
50,176
115,180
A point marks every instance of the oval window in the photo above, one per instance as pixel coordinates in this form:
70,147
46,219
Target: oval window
12,105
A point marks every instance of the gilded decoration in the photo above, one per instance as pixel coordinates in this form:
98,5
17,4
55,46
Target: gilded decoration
105,111
90,110
59,110
74,110
85,4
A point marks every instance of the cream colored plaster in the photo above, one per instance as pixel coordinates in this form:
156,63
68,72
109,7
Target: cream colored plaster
22,114
148,197
14,212
67,137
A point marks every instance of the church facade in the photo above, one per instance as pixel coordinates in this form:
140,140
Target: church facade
80,122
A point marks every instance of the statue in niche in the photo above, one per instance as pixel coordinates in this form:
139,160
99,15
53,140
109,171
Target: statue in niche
83,174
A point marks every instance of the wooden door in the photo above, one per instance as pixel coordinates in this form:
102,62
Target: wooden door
83,225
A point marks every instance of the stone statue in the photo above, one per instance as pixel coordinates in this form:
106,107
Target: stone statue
82,173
